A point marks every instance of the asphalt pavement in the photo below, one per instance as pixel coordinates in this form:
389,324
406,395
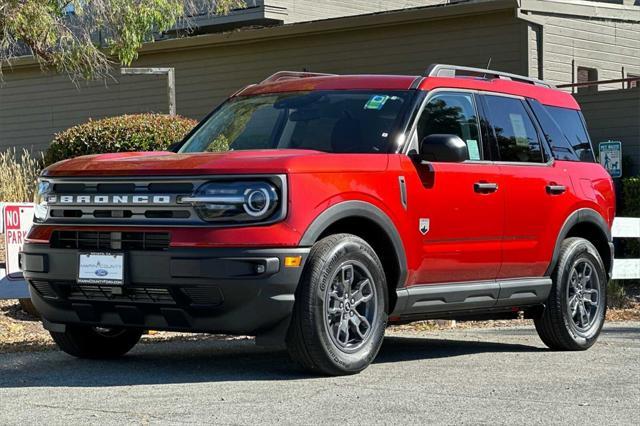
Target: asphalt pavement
461,376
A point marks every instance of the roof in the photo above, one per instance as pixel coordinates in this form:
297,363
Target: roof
545,95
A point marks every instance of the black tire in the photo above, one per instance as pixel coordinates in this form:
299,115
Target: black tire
95,343
558,327
312,339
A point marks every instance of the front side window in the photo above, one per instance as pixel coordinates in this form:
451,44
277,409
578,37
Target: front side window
329,121
452,114
514,130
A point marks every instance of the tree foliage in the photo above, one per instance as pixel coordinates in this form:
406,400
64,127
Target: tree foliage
83,38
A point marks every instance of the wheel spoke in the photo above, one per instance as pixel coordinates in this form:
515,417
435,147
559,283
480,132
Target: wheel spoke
343,330
346,279
586,273
573,280
359,295
359,321
584,315
334,310
591,296
573,305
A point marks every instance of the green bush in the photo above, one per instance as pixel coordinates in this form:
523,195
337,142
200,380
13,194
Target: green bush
630,197
125,133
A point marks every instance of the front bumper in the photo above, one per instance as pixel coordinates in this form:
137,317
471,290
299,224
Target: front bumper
234,291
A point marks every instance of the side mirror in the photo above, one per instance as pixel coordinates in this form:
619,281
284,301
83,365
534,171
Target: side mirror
443,148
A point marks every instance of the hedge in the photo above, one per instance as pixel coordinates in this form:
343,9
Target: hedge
125,133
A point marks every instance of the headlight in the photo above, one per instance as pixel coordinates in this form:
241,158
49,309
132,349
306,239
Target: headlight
236,202
42,206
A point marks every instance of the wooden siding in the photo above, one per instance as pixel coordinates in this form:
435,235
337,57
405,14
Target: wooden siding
311,10
606,45
34,106
615,115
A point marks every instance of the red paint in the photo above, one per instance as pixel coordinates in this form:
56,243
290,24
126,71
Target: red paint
510,233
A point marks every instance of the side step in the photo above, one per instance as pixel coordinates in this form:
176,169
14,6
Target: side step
466,296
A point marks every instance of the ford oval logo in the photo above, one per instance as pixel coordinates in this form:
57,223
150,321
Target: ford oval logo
101,273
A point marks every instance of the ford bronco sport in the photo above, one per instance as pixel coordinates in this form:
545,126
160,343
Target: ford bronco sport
343,204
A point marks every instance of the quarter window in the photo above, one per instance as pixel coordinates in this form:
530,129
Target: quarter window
452,114
515,133
572,124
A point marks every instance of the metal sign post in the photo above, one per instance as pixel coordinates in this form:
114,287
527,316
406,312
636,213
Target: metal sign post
171,81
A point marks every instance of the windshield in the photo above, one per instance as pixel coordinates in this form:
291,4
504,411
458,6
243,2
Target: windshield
329,121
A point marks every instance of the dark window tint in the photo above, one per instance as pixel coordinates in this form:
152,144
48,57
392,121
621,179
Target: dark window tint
561,149
515,132
572,124
452,114
331,121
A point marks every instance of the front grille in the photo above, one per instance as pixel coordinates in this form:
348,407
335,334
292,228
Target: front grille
91,240
130,294
145,201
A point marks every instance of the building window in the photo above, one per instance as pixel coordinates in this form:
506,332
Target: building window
586,75
635,83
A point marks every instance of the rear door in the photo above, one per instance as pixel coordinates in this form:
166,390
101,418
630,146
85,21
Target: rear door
536,188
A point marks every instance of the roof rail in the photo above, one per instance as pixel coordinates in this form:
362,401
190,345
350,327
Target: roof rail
441,70
292,75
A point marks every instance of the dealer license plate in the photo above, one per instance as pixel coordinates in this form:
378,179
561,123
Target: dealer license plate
101,268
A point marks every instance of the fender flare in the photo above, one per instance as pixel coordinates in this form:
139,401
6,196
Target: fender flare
365,210
584,215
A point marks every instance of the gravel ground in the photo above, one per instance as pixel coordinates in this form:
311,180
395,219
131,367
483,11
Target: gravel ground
461,376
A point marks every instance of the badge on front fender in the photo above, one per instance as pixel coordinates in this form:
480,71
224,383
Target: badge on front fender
424,226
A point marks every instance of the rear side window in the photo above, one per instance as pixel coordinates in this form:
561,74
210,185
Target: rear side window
514,130
572,125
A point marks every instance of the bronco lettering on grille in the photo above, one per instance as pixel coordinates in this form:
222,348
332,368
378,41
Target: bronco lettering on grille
109,199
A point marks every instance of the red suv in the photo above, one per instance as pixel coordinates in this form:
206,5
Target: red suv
341,205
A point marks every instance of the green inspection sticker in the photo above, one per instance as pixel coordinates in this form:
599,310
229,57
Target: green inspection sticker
376,102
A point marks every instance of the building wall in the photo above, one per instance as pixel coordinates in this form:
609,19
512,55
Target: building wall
606,45
311,10
34,106
615,115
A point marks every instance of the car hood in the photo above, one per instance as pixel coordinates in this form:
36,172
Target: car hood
232,162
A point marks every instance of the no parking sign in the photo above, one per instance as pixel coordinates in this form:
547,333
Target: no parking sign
18,219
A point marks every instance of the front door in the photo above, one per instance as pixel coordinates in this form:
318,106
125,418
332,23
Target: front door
458,207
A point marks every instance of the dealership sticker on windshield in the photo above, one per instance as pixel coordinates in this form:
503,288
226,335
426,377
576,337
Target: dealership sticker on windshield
376,102
101,268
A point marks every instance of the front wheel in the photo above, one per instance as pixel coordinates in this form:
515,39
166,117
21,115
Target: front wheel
96,342
340,313
575,312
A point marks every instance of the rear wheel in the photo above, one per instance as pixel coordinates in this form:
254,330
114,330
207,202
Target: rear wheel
96,342
340,315
575,311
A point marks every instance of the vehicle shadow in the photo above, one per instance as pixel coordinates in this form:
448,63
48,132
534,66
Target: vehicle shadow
199,361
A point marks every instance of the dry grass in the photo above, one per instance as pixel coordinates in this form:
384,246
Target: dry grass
18,175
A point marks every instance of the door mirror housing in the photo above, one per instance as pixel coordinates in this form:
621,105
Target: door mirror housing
443,148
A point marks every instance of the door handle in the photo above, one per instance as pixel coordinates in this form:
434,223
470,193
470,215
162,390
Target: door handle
485,187
554,189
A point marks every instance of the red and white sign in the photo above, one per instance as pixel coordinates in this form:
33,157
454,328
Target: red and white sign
18,219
